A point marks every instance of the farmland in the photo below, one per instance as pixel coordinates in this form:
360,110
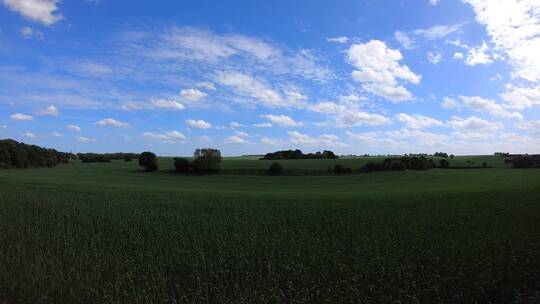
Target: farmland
111,233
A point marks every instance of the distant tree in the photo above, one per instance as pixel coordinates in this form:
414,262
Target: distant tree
128,159
340,169
148,160
440,154
275,169
444,163
452,156
181,165
206,160
484,164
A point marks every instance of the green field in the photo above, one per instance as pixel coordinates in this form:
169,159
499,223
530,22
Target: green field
111,233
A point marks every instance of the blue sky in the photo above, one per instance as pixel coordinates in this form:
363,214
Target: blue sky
252,77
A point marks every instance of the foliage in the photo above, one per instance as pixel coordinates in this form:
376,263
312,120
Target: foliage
18,155
340,169
297,154
181,165
444,163
400,164
105,157
526,161
441,154
206,160
148,160
275,169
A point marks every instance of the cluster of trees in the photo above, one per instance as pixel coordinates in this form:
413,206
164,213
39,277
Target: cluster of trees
440,154
205,161
14,154
105,157
402,164
526,161
298,154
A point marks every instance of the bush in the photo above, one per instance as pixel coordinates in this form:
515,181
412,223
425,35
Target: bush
524,162
181,165
275,169
340,169
148,160
401,164
206,160
444,163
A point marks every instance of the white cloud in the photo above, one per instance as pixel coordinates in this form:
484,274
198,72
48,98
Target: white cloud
235,139
207,85
458,56
521,98
270,141
348,116
514,27
450,103
419,121
57,134
50,111
409,39
341,39
168,137
28,135
434,57
42,11
324,140
74,128
192,94
167,104
421,138
28,32
253,88
282,120
263,125
478,55
199,124
532,126
379,70
21,117
433,2
89,68
85,139
474,124
110,122
235,124
490,106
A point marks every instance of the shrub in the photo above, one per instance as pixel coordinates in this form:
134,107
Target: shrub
444,163
275,169
340,169
484,164
181,165
206,160
525,162
401,164
148,160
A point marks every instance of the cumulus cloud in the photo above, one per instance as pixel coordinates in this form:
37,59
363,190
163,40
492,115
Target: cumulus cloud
521,98
270,141
344,116
28,135
458,56
207,85
21,117
192,94
489,106
433,2
84,139
50,111
419,121
474,124
478,55
167,137
450,103
167,104
57,134
74,128
282,120
514,28
199,124
238,138
110,122
532,126
263,125
43,11
378,70
323,140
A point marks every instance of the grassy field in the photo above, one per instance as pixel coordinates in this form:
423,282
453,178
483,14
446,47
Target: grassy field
110,233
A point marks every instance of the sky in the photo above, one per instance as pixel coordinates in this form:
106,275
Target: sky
251,77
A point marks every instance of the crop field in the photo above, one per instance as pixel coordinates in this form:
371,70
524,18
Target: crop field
111,233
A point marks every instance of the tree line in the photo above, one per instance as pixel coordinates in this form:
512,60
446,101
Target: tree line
298,154
18,155
205,160
105,157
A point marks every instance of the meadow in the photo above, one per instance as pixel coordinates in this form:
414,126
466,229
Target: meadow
111,233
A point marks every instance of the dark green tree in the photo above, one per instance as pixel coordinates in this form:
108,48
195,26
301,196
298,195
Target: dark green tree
275,169
181,165
148,160
206,160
